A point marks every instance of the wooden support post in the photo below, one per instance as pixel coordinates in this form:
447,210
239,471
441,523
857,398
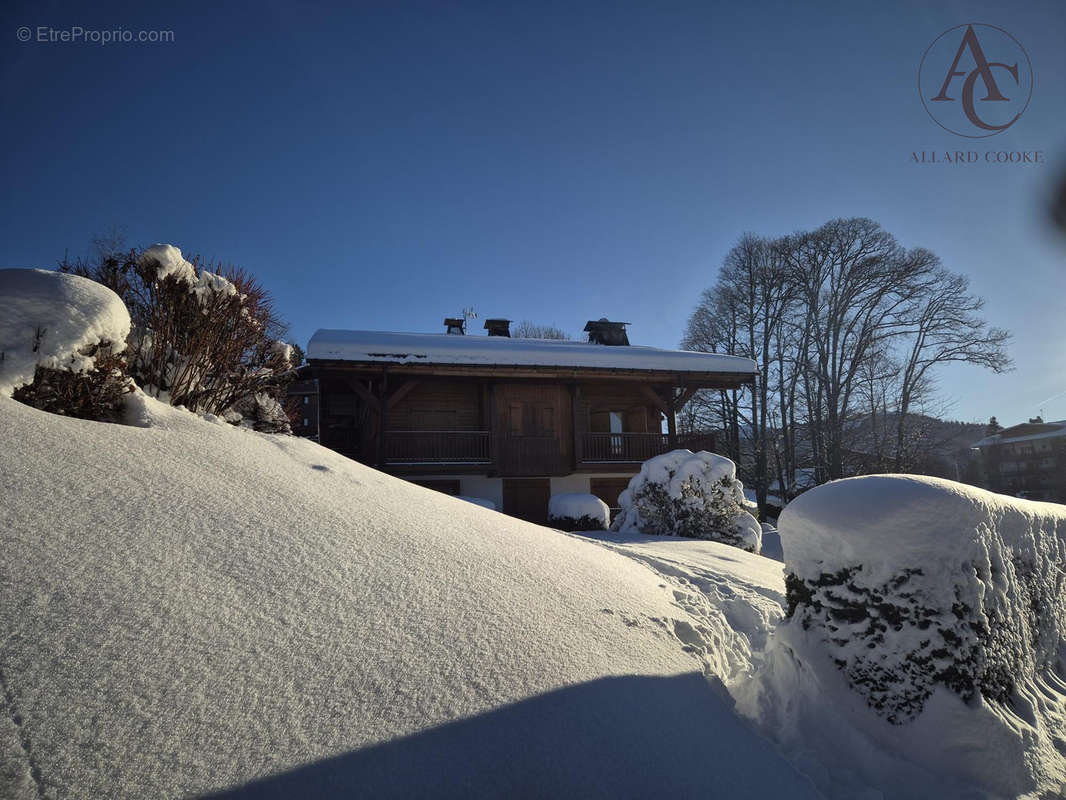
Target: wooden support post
383,415
494,447
575,405
671,425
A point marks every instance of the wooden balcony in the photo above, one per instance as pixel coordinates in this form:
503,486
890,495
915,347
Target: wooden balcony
634,448
438,447
526,455
599,448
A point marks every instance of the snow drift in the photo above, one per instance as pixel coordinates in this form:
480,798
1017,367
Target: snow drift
191,607
696,495
933,614
52,319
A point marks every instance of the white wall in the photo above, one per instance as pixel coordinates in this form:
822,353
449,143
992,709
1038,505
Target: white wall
486,488
578,483
492,488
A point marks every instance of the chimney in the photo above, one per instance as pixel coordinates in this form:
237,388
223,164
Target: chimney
603,331
498,327
456,325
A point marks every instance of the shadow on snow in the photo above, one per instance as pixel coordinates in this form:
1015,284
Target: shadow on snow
633,736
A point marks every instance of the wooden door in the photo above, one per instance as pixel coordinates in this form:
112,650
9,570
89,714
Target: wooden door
534,429
527,498
608,489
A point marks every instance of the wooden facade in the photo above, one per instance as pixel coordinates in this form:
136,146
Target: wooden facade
411,421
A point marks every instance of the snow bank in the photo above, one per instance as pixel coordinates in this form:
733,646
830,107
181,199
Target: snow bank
695,495
52,319
479,501
578,512
190,607
933,614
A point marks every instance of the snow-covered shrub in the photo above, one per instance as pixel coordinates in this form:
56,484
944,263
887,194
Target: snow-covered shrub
201,339
578,512
56,321
696,495
61,343
96,394
261,411
944,607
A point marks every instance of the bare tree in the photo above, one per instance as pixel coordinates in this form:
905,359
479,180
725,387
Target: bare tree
944,325
847,328
531,330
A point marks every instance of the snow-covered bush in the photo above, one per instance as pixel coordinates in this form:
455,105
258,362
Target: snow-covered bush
578,512
61,343
696,495
944,607
201,339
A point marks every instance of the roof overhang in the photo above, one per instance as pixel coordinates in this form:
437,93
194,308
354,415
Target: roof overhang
689,379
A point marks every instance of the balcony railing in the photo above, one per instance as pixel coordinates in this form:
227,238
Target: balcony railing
635,447
438,447
528,455
610,447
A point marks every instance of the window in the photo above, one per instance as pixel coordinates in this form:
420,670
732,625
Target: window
307,401
610,422
307,422
607,422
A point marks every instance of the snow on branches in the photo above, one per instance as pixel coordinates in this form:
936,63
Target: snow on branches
695,495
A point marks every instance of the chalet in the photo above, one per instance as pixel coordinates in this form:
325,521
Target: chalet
1027,460
505,419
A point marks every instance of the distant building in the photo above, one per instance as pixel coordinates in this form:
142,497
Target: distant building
505,419
302,402
1027,460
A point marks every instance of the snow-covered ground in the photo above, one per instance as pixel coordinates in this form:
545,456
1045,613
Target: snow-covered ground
191,607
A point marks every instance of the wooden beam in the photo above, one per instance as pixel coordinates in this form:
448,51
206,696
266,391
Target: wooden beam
655,398
704,380
367,396
684,397
401,393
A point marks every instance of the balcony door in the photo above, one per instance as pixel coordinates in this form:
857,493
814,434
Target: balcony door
534,430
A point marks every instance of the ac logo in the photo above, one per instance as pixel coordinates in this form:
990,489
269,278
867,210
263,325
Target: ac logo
975,80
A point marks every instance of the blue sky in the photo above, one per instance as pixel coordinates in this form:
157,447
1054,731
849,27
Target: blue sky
383,165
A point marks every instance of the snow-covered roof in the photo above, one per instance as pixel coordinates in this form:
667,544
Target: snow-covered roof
1058,429
433,348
